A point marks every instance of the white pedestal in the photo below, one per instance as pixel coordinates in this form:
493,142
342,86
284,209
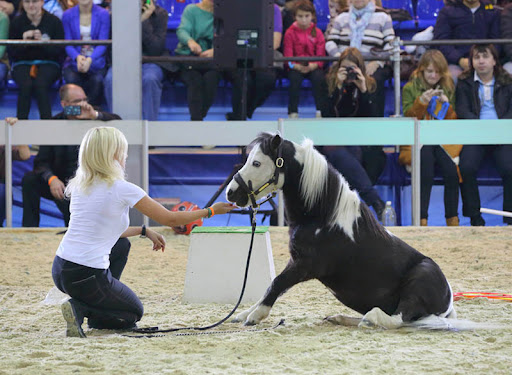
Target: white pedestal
217,259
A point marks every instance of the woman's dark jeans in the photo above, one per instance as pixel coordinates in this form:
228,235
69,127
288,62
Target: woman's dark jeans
98,293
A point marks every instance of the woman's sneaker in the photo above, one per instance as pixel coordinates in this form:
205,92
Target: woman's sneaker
73,319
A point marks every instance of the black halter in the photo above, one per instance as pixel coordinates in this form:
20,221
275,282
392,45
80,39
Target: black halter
273,180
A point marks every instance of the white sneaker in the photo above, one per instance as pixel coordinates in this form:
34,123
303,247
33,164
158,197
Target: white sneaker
293,115
318,114
73,319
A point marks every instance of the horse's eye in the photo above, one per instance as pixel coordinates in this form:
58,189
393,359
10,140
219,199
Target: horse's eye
256,163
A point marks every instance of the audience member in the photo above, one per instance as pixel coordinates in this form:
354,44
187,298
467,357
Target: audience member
154,33
195,35
35,68
303,38
352,92
260,82
19,152
335,8
86,266
465,19
55,165
506,33
9,7
430,94
58,7
4,60
484,91
365,27
86,65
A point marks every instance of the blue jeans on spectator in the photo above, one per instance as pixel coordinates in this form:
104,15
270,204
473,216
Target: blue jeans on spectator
98,293
152,82
3,74
91,82
471,158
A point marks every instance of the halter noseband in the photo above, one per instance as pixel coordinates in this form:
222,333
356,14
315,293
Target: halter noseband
273,180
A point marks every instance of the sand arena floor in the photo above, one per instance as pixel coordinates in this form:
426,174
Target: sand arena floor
32,334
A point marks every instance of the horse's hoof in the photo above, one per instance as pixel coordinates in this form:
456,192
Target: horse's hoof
250,323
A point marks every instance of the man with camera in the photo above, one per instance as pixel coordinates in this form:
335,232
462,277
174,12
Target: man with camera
55,165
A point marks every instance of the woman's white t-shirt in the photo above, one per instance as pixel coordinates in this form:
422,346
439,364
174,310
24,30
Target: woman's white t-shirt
97,220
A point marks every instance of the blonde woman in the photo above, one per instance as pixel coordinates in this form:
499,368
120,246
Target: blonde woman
94,250
429,89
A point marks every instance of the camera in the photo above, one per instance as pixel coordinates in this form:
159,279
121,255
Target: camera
72,110
351,73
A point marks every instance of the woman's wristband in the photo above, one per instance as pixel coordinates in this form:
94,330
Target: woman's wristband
211,212
50,180
143,231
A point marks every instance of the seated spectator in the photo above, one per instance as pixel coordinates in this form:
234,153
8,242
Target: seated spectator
465,19
35,68
9,7
303,38
58,7
260,82
484,91
352,94
335,8
4,60
154,33
19,152
506,33
430,93
365,27
86,65
195,35
55,165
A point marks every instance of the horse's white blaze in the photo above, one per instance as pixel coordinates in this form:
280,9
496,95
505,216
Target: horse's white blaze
260,313
313,182
377,317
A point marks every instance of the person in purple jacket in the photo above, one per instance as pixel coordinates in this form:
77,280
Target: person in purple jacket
86,65
465,19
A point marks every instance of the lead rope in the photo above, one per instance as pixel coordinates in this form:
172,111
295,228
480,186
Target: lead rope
150,331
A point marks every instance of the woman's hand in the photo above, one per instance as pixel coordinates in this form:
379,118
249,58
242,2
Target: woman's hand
222,207
147,11
80,59
443,98
157,239
361,80
207,53
372,67
342,75
194,47
29,34
426,97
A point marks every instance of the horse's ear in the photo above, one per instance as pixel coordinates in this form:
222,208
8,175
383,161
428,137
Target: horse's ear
276,142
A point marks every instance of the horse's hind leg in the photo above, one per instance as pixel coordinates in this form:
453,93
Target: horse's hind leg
294,273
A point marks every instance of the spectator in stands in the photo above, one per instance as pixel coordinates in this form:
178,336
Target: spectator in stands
465,19
35,68
506,33
19,152
430,94
352,91
484,91
195,35
86,65
154,33
55,165
365,27
335,8
260,82
58,7
303,38
9,7
84,266
4,60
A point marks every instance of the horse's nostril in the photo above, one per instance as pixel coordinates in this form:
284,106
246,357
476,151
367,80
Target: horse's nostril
230,193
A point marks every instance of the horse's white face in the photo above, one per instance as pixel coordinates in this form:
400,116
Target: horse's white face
258,170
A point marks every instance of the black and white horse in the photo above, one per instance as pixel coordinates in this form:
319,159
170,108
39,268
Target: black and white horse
335,238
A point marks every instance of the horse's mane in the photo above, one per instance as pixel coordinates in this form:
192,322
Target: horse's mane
315,187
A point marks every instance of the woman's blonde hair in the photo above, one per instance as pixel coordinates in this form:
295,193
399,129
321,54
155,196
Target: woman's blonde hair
351,54
101,151
437,59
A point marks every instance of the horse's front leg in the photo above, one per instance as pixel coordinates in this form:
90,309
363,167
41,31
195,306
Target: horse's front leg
294,273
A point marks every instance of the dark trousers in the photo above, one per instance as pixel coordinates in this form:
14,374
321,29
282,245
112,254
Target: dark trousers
430,156
40,86
98,293
381,75
348,161
201,90
317,79
260,84
33,187
91,82
470,160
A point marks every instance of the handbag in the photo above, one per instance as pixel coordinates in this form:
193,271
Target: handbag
436,109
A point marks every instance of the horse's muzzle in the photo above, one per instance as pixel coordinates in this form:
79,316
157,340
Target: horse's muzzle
238,196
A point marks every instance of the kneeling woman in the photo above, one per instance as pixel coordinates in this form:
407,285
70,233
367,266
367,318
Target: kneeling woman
94,250
430,94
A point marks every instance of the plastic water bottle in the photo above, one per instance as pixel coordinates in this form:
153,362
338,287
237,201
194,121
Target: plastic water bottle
389,215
